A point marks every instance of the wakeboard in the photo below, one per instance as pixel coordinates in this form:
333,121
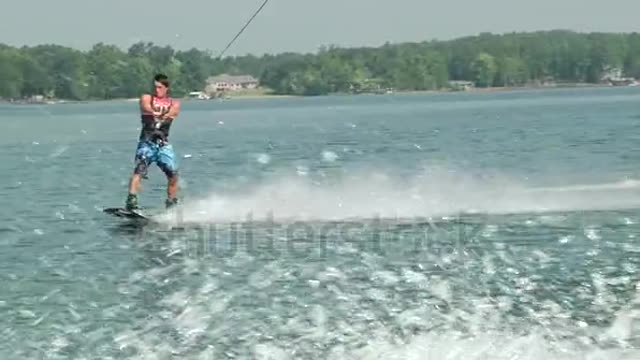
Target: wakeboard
137,215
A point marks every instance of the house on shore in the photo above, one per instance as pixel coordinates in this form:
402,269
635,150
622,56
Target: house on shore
614,77
461,85
227,82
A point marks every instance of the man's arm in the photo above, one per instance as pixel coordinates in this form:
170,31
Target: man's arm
145,105
174,111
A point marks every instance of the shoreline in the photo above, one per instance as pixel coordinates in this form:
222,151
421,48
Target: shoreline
285,96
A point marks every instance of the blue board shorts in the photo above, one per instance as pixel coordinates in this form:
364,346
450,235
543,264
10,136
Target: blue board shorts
149,152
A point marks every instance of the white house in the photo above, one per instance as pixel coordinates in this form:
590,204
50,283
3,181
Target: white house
614,76
227,82
461,85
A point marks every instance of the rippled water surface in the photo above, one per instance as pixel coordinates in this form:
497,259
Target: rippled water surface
451,226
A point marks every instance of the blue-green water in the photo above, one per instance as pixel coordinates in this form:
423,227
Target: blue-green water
449,226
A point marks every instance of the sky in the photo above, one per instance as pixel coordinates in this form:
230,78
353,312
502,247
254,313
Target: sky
296,25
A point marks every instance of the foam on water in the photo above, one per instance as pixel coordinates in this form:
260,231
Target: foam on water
436,192
506,299
498,298
316,310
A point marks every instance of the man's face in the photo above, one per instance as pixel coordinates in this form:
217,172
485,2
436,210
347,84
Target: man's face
160,89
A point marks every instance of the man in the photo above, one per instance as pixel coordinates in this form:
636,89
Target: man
157,112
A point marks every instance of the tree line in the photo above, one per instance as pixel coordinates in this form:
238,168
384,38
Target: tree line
515,59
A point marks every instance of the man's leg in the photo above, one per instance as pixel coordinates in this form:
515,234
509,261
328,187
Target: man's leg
132,198
166,162
134,183
172,189
144,155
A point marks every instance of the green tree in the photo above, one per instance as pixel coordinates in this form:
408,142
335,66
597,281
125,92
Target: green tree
195,68
137,76
106,72
11,75
484,69
35,78
106,65
67,69
511,72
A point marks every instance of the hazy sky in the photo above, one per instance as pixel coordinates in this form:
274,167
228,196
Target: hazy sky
296,25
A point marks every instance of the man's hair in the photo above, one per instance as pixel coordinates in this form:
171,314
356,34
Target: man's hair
162,79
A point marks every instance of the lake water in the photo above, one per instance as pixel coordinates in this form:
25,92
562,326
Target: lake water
441,226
